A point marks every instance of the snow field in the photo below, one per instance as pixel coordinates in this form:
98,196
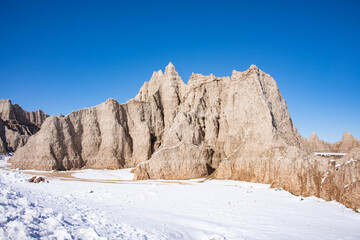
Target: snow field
25,214
82,208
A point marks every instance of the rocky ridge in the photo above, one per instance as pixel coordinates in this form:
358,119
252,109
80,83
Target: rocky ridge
234,127
17,125
345,145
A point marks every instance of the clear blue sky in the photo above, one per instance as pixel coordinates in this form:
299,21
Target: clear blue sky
61,56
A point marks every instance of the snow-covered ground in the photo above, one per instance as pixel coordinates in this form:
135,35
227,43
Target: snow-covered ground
104,204
121,174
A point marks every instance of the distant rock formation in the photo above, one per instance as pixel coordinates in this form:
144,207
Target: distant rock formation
226,128
17,125
318,145
345,145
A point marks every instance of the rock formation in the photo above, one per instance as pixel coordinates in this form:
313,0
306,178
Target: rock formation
110,135
17,125
245,114
226,128
318,145
345,145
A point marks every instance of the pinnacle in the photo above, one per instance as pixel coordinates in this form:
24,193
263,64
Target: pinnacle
156,74
313,135
253,67
170,68
347,135
110,100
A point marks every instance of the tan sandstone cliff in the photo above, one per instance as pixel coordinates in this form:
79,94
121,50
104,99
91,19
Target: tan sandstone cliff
17,125
226,128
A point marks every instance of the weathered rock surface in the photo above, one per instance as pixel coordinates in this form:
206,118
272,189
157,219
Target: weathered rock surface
242,117
17,125
226,128
345,145
110,135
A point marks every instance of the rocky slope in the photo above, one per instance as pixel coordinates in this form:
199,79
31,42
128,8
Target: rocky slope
17,125
227,128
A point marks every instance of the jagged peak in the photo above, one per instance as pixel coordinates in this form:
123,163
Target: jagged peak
156,75
313,135
196,78
170,69
110,100
170,65
347,135
253,67
153,75
39,111
157,80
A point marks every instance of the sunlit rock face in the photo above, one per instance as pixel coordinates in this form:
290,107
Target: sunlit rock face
234,127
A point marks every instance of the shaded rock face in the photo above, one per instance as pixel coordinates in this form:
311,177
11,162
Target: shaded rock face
345,145
234,127
17,125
